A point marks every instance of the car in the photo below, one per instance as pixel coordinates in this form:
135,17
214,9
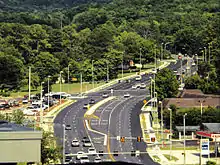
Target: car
25,101
75,143
138,78
85,138
79,155
136,86
92,151
2,107
126,95
142,86
84,159
97,159
105,95
68,127
92,101
85,106
87,143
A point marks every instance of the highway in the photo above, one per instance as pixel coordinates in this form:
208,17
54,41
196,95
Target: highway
118,117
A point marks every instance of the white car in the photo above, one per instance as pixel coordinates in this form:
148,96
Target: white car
105,95
68,127
138,78
142,86
97,160
75,143
80,154
92,151
126,95
84,159
87,143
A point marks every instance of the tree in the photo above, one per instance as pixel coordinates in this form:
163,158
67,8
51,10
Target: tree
11,71
49,150
18,116
166,84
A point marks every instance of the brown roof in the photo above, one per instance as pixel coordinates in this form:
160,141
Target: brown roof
191,102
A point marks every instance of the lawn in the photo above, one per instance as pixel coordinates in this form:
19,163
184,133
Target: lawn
172,157
179,148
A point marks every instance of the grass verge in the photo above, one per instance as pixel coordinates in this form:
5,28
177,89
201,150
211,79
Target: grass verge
156,158
167,147
172,158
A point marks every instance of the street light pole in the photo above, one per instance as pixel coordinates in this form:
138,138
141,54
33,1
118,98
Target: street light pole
48,89
64,143
140,60
157,112
81,84
92,74
170,131
68,76
29,86
122,67
60,85
41,100
184,134
205,54
166,45
107,72
161,114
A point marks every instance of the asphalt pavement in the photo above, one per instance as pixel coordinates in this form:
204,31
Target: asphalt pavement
118,117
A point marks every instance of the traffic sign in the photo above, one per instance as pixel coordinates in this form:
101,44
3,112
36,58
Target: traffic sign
122,139
204,146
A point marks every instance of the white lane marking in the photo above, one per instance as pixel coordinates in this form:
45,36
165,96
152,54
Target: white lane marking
100,117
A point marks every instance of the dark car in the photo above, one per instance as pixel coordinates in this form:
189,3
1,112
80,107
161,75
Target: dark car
92,101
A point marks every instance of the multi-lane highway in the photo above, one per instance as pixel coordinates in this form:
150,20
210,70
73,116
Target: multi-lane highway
118,117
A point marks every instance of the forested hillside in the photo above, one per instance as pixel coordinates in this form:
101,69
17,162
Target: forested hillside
50,40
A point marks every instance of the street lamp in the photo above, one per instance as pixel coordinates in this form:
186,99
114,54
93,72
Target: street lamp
205,54
68,76
122,67
161,52
151,85
157,111
60,84
140,60
92,74
166,45
41,101
184,134
64,143
161,114
170,131
48,89
29,85
201,105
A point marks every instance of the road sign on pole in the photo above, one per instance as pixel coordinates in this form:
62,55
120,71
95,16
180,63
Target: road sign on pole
204,146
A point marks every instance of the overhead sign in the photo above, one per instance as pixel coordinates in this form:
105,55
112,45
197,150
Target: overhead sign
204,146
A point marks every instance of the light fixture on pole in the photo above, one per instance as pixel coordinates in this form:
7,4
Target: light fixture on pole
184,134
60,84
161,114
41,102
170,131
48,91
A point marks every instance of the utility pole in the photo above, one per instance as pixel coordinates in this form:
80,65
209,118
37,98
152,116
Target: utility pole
161,116
48,96
41,102
60,84
184,134
29,85
68,77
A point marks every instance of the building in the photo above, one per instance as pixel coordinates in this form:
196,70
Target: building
210,130
193,98
19,144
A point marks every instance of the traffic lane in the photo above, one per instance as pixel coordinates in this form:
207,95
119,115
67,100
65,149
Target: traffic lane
124,130
136,131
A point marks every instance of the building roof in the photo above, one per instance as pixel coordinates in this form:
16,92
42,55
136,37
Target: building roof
11,127
188,128
212,127
191,102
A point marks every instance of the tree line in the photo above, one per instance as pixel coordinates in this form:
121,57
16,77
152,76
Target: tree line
49,41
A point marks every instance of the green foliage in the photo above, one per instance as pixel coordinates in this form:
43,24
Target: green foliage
166,84
49,150
18,116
